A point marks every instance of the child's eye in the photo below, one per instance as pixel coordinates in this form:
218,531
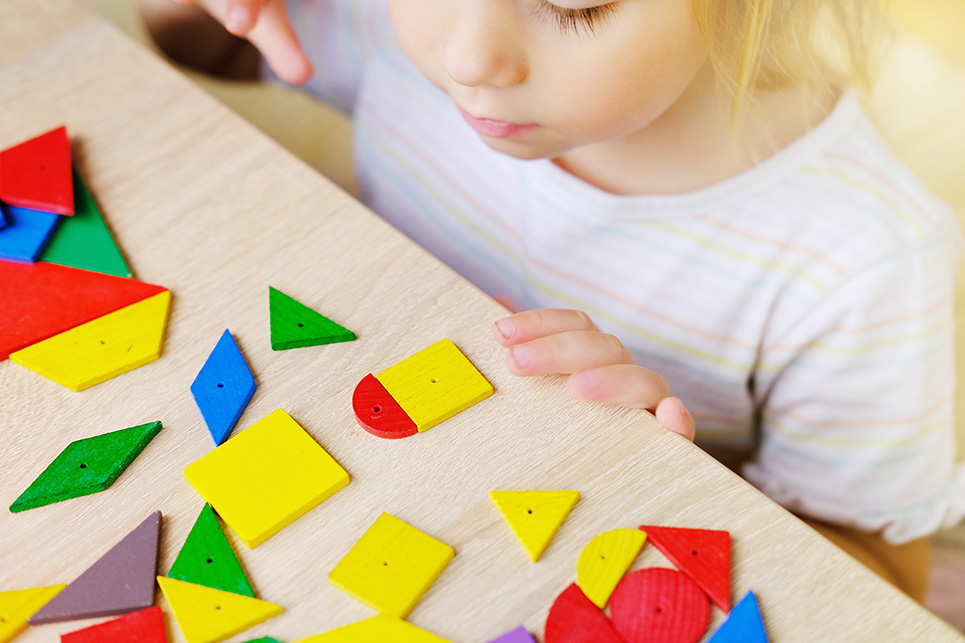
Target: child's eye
574,20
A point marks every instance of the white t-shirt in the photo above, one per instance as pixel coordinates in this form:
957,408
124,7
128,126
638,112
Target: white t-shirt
804,306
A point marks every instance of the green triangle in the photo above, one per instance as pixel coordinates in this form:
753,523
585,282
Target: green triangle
207,558
87,466
83,240
295,325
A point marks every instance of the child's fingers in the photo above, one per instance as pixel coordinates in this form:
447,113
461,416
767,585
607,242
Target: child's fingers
531,324
672,413
566,352
242,15
275,38
627,385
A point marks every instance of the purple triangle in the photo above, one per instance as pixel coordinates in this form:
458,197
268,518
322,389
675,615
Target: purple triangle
121,581
519,635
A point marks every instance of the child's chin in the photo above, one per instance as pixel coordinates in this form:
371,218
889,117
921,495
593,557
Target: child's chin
524,151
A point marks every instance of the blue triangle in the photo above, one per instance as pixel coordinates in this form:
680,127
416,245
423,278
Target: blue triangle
743,624
223,388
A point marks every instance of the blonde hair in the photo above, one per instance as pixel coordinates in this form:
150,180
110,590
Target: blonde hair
770,44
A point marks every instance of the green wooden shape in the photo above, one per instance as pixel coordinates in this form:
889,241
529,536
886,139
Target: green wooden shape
295,325
207,558
83,240
87,466
264,639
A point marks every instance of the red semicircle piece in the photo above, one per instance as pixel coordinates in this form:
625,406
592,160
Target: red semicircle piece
574,618
378,412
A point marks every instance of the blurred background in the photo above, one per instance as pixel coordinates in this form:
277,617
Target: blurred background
918,102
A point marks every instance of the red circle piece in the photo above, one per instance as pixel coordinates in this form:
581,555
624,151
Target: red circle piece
659,605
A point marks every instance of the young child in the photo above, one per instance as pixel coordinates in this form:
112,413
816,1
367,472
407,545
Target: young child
679,195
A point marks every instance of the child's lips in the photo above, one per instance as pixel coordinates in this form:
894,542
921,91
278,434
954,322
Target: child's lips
493,128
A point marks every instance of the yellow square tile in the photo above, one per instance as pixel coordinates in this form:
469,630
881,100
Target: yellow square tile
435,384
391,566
266,477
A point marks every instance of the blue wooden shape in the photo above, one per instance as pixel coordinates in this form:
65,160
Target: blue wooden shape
3,217
519,635
743,624
223,388
26,234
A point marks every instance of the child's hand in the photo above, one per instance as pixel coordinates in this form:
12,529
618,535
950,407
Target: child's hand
601,369
265,23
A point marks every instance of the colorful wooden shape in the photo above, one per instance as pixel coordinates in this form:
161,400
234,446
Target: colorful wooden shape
391,566
378,413
266,477
435,384
264,639
743,625
121,581
44,300
84,240
143,626
534,516
207,615
573,618
207,558
295,325
223,388
16,606
87,466
702,554
605,560
3,218
36,173
519,635
27,234
378,629
103,348
659,605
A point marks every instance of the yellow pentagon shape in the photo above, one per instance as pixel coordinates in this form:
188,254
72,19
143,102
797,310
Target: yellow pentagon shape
605,560
103,348
391,566
207,615
534,516
378,629
435,384
16,606
266,477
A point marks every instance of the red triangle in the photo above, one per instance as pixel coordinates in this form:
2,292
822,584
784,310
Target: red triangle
44,299
145,626
702,554
36,173
575,619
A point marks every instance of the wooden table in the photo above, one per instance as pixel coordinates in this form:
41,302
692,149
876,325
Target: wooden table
205,205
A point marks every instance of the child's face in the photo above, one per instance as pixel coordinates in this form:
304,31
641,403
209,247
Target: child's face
536,78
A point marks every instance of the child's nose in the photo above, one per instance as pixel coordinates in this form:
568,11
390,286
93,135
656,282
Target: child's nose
483,45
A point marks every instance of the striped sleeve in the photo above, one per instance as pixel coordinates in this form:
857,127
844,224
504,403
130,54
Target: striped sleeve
857,400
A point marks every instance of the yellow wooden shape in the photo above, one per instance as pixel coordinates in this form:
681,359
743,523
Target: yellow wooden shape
605,560
391,566
266,477
18,605
208,615
106,347
534,516
435,384
378,629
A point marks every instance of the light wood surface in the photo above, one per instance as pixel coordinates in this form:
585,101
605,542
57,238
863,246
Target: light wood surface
202,203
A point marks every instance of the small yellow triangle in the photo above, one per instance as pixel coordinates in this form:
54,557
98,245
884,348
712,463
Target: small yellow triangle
378,629
103,348
534,516
605,560
208,615
20,604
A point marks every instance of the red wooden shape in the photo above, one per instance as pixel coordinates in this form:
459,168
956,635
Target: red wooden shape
659,605
145,626
378,412
575,619
36,173
44,299
702,554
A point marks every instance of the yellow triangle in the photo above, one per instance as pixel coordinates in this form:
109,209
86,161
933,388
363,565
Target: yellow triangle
605,560
20,604
534,516
103,348
378,629
209,615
